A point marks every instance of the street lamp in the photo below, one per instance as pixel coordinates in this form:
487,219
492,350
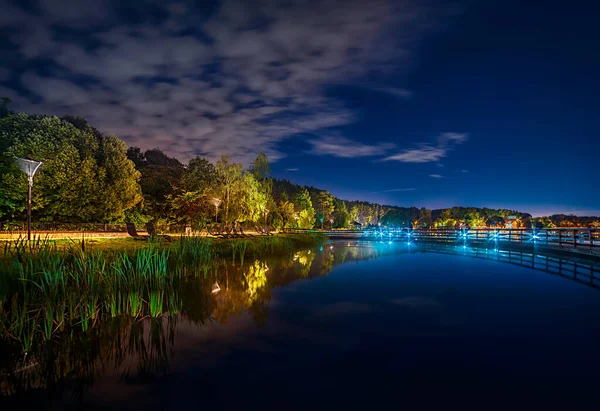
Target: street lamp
29,167
217,202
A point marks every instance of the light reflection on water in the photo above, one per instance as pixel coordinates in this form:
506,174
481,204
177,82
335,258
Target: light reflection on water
426,316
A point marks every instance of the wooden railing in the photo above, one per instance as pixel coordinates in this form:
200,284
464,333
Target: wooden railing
585,238
581,271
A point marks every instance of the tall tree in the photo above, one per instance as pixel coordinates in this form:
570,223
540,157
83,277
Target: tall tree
306,214
160,179
200,175
325,203
229,174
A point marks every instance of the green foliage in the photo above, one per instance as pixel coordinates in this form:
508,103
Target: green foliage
160,177
287,213
228,175
84,177
200,175
306,218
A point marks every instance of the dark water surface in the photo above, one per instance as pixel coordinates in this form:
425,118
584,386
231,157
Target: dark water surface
353,326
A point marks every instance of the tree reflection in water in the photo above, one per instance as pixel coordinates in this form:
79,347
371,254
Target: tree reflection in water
138,346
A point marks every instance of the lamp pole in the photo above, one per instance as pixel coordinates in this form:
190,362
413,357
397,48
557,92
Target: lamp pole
29,167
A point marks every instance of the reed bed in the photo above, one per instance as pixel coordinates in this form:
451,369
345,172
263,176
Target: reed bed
47,290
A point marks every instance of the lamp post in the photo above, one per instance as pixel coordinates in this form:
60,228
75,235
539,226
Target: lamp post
217,202
29,167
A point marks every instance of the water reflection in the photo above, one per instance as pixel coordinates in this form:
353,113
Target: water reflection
138,348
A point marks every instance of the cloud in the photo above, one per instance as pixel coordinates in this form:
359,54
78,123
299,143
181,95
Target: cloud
4,74
425,154
428,153
234,79
344,148
292,169
436,175
464,171
447,138
394,91
395,190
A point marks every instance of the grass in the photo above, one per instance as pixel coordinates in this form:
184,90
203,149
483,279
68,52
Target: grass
52,287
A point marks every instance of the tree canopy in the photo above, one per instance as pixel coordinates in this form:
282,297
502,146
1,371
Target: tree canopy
89,177
84,176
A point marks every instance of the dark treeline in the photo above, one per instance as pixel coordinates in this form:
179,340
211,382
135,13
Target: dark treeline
90,177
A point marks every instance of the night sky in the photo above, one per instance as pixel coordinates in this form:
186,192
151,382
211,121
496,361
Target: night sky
412,103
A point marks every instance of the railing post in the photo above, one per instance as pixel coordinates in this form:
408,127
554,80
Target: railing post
559,237
591,238
574,238
547,236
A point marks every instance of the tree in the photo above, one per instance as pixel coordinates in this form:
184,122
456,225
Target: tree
306,218
122,189
85,177
160,178
261,168
353,213
191,207
341,215
286,211
199,175
303,200
228,175
324,201
306,215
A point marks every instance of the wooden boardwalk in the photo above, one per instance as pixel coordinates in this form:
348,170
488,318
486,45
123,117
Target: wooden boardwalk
586,240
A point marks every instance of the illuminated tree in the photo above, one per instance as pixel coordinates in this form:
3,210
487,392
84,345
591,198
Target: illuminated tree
228,175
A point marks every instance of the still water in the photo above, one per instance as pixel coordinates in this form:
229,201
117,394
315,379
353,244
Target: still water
351,325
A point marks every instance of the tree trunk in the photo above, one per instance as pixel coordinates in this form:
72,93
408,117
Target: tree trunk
227,206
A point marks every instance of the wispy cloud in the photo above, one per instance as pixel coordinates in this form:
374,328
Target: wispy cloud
235,79
428,153
345,148
396,190
436,175
394,91
464,171
292,169
425,154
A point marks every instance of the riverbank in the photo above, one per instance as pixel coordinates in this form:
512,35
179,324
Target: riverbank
48,288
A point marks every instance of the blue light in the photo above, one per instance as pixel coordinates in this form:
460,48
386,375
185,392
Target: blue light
408,243
535,237
390,242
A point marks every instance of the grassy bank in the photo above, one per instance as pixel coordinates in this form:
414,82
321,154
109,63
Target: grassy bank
48,288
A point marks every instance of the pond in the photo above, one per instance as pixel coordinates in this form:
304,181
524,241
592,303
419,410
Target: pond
350,325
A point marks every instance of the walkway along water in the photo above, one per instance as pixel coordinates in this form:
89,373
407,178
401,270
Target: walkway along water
580,240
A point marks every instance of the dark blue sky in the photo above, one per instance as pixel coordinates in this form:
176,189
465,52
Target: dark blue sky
482,103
